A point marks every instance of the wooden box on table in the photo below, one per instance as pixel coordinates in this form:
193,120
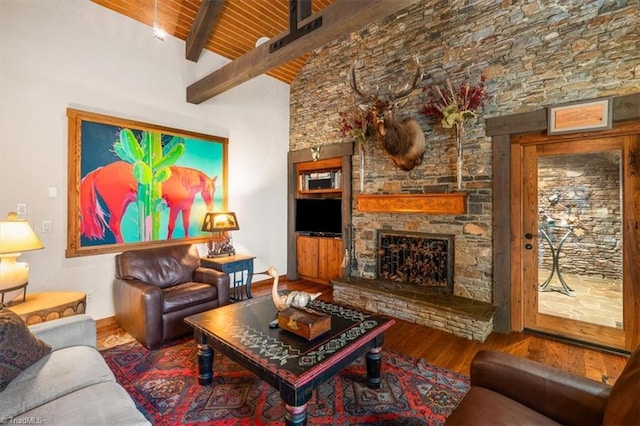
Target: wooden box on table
304,322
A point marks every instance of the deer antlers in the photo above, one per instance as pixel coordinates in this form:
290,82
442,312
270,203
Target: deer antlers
410,88
407,88
354,85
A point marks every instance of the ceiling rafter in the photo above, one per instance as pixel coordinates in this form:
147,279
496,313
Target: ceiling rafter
201,29
339,19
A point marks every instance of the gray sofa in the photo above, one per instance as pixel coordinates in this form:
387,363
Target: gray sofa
70,385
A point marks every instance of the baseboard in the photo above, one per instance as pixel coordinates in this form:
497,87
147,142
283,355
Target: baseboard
106,323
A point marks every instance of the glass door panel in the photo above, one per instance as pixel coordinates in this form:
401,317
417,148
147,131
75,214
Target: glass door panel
577,270
580,237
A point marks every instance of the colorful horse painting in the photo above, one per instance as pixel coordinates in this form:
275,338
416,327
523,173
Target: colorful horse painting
117,188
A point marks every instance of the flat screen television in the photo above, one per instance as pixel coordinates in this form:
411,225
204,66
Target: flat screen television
319,216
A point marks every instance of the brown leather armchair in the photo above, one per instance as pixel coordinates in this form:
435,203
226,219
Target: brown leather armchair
509,390
156,288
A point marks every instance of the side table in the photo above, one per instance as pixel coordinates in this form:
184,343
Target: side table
41,307
240,270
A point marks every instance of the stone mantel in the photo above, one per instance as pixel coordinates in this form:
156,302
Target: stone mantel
441,203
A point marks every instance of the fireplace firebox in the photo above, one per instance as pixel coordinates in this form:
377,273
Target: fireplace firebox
417,259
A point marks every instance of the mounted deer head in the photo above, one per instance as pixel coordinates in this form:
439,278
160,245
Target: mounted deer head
402,139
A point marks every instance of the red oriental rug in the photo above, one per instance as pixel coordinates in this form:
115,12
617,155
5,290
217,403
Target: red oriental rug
164,385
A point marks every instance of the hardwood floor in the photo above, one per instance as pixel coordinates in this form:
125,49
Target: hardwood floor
455,353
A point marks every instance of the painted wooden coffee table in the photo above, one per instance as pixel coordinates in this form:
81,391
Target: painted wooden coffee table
287,362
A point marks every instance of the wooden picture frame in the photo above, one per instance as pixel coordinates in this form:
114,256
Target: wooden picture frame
580,116
137,185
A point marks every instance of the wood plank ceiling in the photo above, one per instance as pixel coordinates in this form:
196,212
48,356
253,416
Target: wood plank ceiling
240,24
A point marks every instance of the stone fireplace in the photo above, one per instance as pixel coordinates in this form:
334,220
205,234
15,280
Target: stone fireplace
417,269
415,282
417,259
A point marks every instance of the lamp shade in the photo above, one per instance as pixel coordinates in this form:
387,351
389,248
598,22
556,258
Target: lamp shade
220,221
16,235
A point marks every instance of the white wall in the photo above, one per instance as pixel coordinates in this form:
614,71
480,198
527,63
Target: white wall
60,54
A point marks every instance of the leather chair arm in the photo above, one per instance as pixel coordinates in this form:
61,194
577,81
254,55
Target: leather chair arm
218,279
564,397
139,306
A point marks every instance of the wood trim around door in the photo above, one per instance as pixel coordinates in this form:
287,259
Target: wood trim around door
595,334
501,129
631,226
526,148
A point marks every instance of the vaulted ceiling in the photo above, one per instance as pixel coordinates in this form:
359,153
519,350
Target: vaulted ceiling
240,24
231,29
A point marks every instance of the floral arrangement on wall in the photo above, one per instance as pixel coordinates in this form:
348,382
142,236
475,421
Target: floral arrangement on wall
357,124
452,107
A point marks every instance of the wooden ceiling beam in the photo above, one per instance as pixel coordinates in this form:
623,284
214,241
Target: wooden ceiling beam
339,19
202,26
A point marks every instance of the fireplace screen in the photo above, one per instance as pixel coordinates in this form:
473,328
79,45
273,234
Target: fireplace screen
420,259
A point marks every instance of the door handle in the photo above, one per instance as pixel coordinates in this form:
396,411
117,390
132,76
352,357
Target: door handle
528,246
528,235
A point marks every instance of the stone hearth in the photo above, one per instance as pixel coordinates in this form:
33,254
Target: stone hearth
460,316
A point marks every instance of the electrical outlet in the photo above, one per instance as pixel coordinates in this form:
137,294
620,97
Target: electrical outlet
21,209
90,295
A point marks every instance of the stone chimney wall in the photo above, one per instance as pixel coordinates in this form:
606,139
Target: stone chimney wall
534,54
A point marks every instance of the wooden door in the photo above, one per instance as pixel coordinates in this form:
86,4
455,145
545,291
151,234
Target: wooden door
576,225
307,256
330,258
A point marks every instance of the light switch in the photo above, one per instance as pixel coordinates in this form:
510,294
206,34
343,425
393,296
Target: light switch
52,191
46,226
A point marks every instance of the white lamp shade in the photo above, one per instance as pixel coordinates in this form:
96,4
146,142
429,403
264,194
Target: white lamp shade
17,236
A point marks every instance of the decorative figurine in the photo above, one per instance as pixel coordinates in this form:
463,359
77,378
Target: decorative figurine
297,299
